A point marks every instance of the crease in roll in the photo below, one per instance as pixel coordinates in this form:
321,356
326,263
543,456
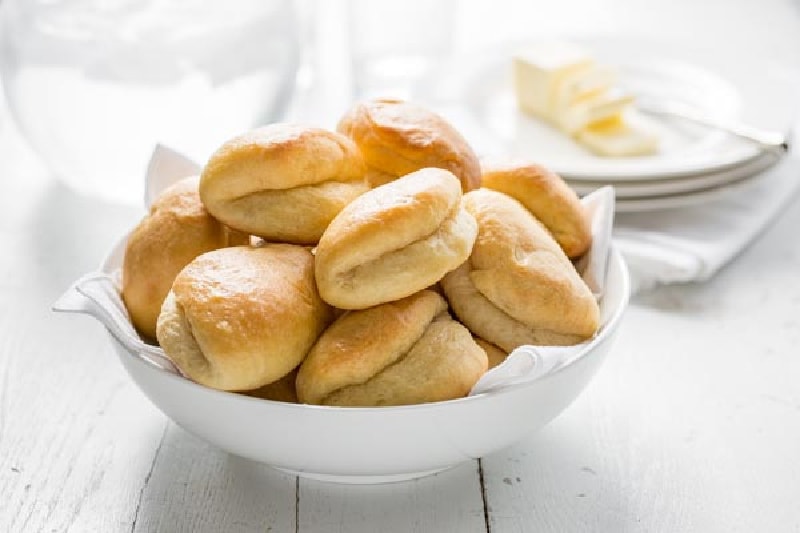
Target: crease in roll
405,352
283,182
397,138
394,240
488,321
518,287
241,318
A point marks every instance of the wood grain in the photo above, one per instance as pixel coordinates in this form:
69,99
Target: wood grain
76,437
195,487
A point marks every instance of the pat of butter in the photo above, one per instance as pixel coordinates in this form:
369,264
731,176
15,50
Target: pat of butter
615,137
539,71
582,84
594,108
561,84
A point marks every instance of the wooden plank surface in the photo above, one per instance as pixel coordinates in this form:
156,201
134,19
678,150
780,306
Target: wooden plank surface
447,501
195,487
693,424
77,438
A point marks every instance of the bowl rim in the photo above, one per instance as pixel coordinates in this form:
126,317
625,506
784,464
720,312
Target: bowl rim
606,331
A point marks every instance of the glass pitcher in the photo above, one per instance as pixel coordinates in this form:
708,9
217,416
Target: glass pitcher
95,84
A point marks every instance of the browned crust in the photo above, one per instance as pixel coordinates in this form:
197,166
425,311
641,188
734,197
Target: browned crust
404,352
243,317
177,229
547,197
394,240
283,172
397,138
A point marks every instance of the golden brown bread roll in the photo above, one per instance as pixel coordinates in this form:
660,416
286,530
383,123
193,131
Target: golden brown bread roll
494,354
546,196
394,240
518,287
283,182
177,229
240,318
397,138
404,352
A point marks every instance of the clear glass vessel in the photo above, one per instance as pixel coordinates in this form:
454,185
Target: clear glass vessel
95,84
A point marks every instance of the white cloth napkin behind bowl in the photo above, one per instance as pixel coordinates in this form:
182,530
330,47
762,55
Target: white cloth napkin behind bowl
694,243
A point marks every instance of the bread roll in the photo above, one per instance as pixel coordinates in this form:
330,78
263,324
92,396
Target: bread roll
240,318
546,196
283,182
518,286
494,354
404,352
394,240
177,229
397,138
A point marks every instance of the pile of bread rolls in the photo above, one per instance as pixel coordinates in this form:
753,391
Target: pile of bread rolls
381,264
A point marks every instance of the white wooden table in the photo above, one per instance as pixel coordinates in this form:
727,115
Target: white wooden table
693,424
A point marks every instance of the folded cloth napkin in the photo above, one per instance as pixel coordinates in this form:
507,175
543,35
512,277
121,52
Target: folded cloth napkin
693,243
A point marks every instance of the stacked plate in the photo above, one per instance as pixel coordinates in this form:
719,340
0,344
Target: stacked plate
693,165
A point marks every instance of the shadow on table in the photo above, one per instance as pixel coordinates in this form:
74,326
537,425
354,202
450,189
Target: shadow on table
448,501
196,487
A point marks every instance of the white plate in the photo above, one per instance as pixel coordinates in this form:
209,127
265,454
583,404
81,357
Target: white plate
689,199
476,94
680,185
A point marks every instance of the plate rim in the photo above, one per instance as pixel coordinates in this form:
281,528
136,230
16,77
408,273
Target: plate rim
492,57
681,185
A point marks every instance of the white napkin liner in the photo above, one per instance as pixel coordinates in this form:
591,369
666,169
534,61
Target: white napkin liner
693,243
166,167
97,294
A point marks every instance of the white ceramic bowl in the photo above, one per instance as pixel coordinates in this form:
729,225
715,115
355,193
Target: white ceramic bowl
365,445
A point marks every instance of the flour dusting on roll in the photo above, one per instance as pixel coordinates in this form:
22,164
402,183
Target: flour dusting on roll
394,240
241,318
283,182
